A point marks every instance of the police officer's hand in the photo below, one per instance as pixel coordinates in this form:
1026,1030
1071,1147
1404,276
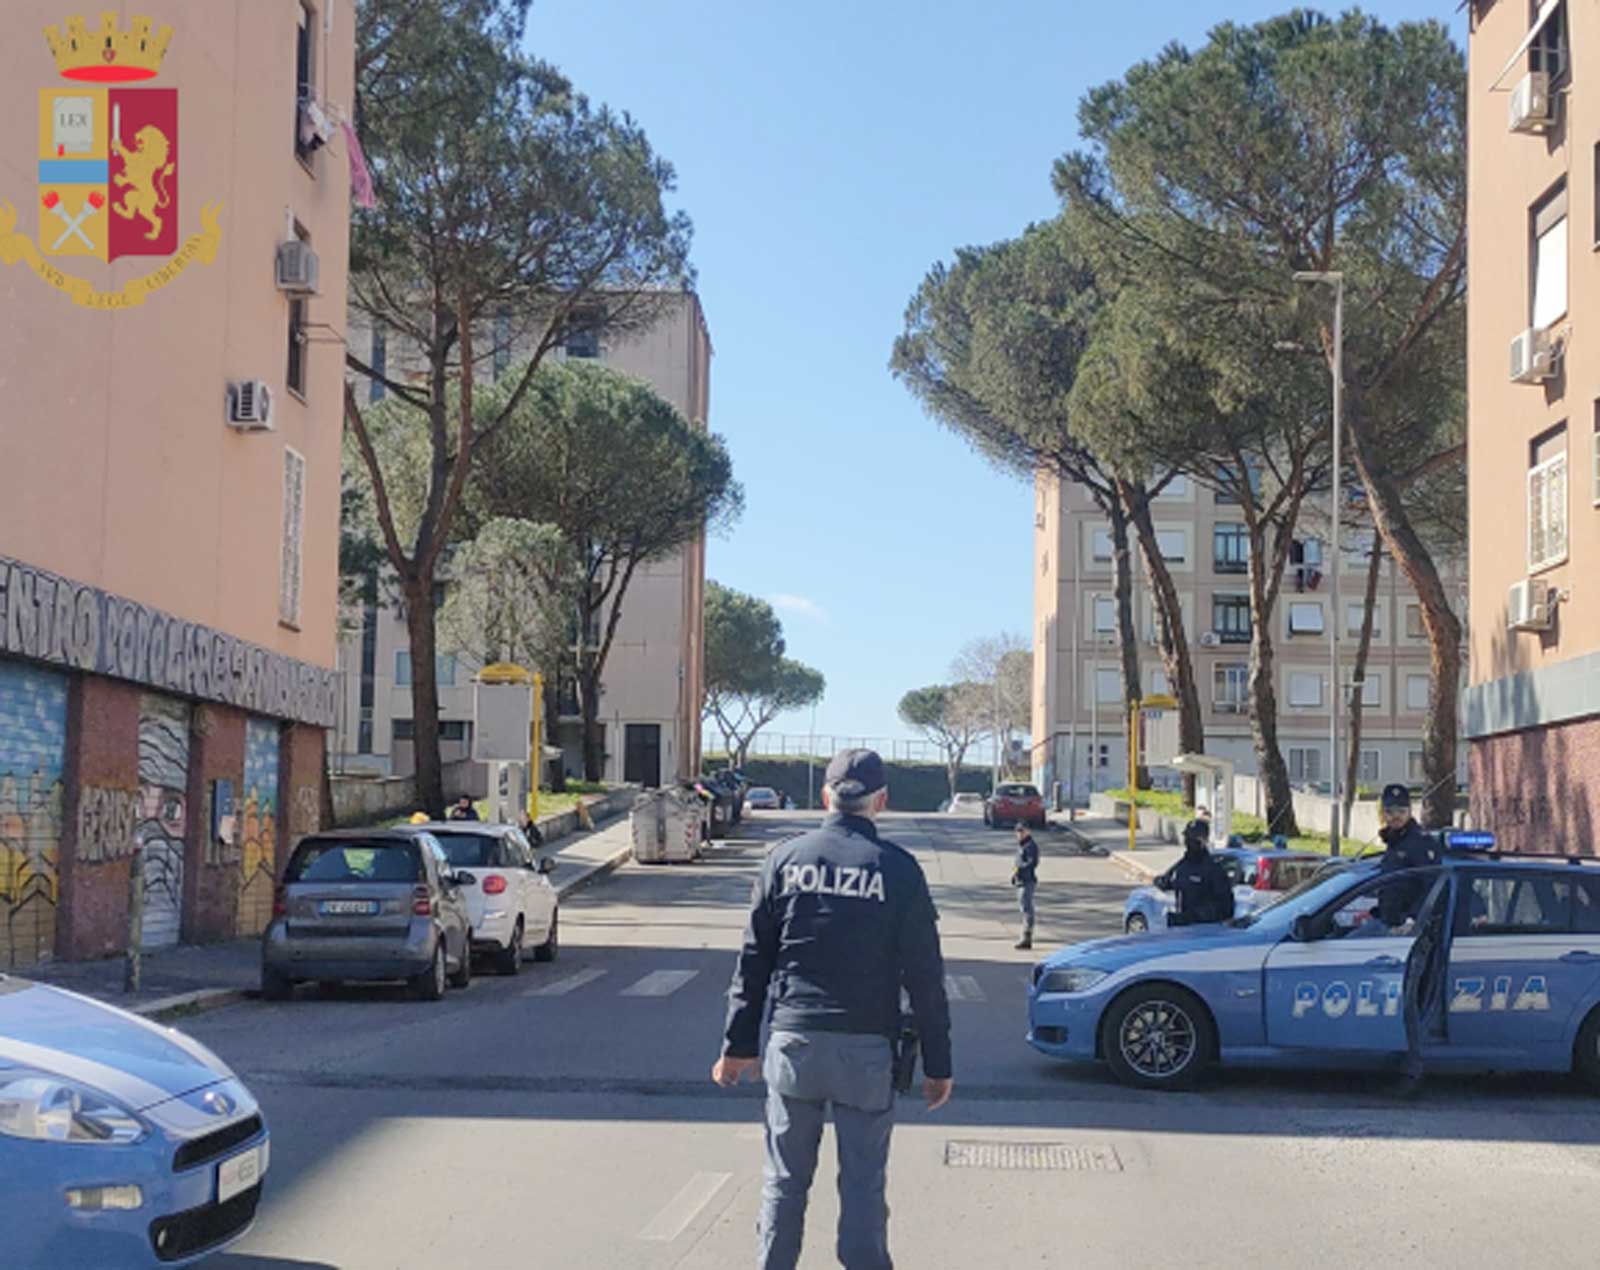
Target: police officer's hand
727,1070
937,1092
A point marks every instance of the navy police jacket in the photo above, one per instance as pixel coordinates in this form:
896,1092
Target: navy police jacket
840,921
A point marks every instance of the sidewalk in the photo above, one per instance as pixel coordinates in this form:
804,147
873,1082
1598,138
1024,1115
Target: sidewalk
194,977
1150,858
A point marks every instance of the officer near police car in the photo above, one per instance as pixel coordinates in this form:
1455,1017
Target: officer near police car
841,921
1204,893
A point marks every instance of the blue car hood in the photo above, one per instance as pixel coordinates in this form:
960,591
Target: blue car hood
1127,950
137,1062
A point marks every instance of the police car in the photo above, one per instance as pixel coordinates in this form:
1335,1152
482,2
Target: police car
1498,960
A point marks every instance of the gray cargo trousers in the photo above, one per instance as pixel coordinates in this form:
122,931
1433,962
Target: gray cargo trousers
806,1074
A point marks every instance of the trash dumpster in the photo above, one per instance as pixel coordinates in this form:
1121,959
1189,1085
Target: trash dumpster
665,824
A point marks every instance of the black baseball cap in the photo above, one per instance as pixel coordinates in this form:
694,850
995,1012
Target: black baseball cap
855,773
1396,796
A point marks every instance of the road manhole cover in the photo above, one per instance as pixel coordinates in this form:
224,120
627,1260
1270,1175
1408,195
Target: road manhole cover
1032,1156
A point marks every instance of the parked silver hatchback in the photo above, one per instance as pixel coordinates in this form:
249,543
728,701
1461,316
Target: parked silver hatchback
371,905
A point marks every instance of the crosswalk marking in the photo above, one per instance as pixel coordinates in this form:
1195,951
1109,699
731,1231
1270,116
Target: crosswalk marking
962,988
561,987
660,983
687,1204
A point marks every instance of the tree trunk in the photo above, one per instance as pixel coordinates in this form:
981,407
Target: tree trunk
556,768
1352,771
594,758
1127,635
1385,499
418,592
1263,693
1173,641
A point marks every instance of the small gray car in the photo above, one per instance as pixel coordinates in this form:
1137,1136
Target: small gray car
369,904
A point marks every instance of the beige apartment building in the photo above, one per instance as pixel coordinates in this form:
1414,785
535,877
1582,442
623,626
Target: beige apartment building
1533,438
654,681
1077,663
170,429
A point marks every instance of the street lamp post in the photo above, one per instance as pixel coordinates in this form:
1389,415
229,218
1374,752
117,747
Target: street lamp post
1094,699
1335,696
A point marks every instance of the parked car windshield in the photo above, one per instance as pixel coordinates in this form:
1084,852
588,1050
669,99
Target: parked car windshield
1018,791
470,850
355,862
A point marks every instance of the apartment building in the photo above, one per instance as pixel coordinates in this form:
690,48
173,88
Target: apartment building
171,432
654,679
1077,662
1533,437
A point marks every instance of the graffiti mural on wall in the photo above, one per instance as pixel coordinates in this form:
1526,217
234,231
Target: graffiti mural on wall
33,732
258,862
163,814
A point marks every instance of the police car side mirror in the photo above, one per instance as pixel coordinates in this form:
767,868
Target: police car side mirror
1304,929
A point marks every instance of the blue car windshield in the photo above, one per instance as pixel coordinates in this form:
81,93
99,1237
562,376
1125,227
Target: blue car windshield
1304,898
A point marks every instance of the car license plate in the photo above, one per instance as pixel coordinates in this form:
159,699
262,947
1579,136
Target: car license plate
348,908
240,1172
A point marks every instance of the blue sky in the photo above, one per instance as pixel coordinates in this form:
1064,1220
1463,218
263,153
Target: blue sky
829,153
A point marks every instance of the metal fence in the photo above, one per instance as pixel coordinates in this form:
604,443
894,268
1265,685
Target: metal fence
823,746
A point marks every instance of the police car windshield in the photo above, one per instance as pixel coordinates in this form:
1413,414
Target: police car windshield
1309,894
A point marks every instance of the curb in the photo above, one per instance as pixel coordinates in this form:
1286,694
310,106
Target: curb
185,1003
1134,868
599,870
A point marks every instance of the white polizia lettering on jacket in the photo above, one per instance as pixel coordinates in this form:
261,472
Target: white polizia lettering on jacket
830,879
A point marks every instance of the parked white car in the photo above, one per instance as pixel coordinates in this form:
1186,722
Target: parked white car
966,805
510,903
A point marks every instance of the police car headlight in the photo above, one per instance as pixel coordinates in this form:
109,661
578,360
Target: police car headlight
46,1108
1070,979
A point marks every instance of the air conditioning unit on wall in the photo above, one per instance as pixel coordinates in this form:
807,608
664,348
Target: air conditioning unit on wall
1533,359
1208,639
1528,606
1530,103
250,406
298,268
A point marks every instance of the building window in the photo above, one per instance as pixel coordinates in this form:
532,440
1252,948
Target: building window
1177,487
583,343
1371,689
1305,618
1416,692
1305,764
1107,685
1550,51
305,63
1227,495
1105,615
295,375
1414,772
1230,618
502,341
1371,772
444,669
1230,548
379,362
1547,512
1230,686
1548,246
1100,546
401,730
294,519
1173,545
1358,546
452,729
1594,448
1355,614
1306,552
1414,626
1305,688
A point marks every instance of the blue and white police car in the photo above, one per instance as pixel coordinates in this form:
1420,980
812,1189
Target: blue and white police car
1496,960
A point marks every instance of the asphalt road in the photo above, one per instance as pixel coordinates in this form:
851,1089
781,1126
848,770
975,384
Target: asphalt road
564,1118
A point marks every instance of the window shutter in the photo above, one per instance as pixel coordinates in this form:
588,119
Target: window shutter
1555,517
294,510
1536,529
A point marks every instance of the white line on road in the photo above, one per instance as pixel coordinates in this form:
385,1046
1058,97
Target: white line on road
963,988
684,1207
561,987
660,983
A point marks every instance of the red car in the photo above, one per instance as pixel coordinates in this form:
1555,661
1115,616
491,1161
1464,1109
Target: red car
1015,804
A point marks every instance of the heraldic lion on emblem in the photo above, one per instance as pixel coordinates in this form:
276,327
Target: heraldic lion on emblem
144,167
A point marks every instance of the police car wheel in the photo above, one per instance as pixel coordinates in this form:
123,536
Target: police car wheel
1158,1036
1586,1051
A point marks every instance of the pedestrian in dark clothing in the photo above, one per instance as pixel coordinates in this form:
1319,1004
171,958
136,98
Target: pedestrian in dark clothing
1025,877
840,922
1204,893
530,831
463,809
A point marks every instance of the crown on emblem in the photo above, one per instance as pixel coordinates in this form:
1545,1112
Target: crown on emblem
108,55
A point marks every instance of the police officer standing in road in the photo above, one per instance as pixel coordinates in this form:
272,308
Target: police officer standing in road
1025,877
1407,845
1204,893
840,921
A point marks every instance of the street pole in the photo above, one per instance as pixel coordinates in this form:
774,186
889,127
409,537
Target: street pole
1077,678
1094,710
811,757
1335,688
994,778
1133,767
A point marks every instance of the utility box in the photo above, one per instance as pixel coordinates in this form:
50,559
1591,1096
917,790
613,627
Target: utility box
1213,790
